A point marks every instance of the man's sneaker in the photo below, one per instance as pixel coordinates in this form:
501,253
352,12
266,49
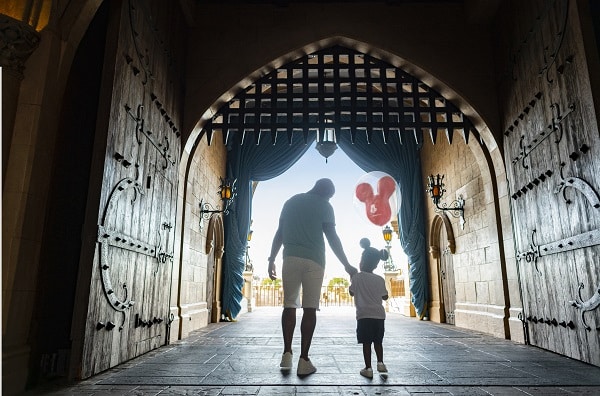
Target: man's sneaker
367,372
286,361
305,367
381,367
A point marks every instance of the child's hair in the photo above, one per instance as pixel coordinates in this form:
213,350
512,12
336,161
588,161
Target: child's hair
371,256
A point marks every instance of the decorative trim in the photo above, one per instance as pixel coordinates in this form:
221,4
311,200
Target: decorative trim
578,184
17,42
554,126
583,240
585,306
436,224
215,237
163,149
108,238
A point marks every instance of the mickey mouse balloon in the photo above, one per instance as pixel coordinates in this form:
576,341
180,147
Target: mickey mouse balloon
376,196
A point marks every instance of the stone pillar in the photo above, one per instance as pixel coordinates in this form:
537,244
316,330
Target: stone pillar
406,306
247,291
17,41
389,275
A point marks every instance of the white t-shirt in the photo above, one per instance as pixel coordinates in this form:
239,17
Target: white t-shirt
368,290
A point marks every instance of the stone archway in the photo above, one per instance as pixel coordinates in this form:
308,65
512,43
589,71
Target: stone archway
442,243
482,144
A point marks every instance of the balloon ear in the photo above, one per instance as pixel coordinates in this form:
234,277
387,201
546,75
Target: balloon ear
386,186
364,192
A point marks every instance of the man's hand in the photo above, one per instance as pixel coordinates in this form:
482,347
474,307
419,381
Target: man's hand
272,270
351,270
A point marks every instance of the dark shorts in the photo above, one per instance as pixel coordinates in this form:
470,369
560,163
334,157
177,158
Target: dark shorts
370,330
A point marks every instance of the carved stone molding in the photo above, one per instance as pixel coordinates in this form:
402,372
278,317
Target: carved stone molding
17,42
439,221
215,237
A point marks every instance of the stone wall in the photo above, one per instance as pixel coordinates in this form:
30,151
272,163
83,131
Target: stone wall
481,301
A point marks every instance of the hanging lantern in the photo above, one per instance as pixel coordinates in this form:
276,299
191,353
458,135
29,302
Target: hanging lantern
326,141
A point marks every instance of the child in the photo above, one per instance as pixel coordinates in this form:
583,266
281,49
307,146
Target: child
368,291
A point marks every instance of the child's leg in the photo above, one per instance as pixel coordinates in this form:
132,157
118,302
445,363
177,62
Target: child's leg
367,354
378,351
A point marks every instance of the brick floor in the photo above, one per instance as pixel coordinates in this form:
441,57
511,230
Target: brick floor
423,358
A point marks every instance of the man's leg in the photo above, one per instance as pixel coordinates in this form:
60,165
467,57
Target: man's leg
288,324
307,329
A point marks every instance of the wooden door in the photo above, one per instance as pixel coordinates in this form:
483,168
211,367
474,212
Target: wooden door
552,147
129,279
447,277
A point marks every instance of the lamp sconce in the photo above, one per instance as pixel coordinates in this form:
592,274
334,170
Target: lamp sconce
435,188
227,194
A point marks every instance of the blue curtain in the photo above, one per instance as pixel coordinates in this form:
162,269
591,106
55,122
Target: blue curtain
258,162
401,161
248,162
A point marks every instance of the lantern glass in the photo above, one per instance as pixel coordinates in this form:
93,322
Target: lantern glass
387,234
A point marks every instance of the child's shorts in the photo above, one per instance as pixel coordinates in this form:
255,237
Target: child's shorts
370,330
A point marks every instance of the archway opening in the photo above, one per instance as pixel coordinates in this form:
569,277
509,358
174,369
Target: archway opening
351,223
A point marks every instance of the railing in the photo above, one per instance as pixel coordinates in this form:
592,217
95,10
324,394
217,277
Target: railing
272,296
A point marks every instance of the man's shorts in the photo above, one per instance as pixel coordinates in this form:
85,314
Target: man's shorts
370,330
299,272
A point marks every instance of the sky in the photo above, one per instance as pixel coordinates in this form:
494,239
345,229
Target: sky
352,223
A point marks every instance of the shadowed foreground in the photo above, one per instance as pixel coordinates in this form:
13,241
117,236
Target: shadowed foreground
242,358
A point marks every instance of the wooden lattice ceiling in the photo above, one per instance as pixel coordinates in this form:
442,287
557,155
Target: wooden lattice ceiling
340,88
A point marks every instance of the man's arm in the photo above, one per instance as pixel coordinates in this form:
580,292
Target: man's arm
336,246
275,246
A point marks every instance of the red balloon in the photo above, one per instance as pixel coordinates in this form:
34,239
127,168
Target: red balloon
377,206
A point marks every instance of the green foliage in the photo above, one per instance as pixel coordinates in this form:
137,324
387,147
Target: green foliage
338,282
269,282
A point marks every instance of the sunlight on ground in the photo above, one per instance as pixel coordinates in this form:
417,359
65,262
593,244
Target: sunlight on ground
351,222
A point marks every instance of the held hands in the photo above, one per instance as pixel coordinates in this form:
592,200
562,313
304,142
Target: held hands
350,270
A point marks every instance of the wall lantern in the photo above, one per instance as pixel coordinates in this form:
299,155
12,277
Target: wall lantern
435,188
326,141
227,194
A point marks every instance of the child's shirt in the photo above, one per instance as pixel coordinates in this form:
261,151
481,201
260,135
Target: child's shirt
368,290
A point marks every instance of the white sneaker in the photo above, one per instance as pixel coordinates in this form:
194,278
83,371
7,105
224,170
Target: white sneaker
305,367
286,361
381,367
367,372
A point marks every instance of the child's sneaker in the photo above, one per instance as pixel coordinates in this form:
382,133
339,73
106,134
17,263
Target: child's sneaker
286,361
382,370
367,372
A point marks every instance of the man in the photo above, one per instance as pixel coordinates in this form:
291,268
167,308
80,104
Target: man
304,219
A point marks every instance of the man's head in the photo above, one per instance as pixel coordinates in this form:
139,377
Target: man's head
324,188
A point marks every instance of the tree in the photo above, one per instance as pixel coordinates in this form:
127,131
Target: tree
269,282
338,282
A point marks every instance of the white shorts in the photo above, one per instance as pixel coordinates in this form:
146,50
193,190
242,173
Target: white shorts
298,272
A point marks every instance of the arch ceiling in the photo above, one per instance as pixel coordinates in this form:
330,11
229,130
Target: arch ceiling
343,90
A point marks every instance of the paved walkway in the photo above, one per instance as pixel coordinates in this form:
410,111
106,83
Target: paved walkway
424,358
